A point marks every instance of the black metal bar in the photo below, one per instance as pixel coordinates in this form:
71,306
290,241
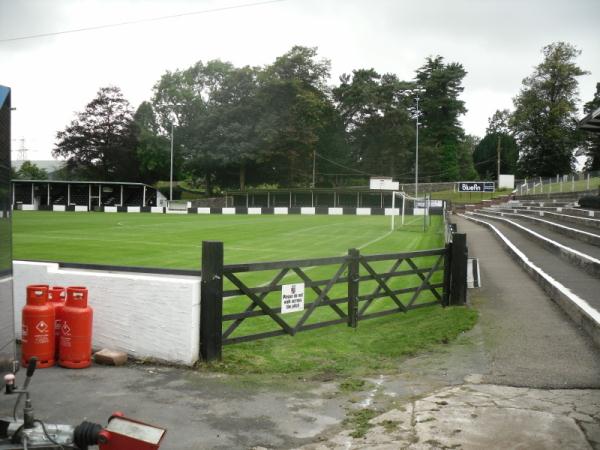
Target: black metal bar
353,286
458,293
132,269
261,289
211,300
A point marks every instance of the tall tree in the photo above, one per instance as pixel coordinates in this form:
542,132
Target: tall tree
153,152
498,139
101,142
30,171
295,113
439,86
375,112
591,147
544,121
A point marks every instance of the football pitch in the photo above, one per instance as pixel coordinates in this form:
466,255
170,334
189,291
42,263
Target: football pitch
174,241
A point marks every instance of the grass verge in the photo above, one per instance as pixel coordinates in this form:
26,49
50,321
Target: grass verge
376,346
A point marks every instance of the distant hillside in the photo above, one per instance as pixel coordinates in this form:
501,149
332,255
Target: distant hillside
49,165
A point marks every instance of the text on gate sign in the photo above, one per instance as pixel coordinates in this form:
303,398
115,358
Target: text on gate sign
292,298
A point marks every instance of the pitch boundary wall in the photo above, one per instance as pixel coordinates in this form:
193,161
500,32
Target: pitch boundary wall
239,210
144,312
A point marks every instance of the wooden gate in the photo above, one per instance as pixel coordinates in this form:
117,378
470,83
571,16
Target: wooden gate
237,306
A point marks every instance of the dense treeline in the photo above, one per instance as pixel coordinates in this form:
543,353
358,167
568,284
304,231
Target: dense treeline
284,124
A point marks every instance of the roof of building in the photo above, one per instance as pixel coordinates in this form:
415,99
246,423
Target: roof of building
104,183
591,122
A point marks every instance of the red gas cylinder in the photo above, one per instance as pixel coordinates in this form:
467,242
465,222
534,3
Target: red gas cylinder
37,337
75,347
57,296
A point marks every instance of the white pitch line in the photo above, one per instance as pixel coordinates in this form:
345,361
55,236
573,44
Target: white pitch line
558,244
581,303
374,240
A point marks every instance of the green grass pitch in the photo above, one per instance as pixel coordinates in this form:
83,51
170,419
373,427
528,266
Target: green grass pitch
174,241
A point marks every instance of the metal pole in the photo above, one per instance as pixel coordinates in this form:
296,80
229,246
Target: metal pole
171,175
417,153
314,168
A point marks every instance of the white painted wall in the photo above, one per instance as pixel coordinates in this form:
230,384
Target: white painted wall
363,211
157,209
145,315
203,210
280,210
110,209
81,208
228,210
307,211
133,209
254,210
335,211
392,211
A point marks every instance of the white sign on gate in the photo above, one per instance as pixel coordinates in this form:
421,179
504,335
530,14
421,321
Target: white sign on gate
292,298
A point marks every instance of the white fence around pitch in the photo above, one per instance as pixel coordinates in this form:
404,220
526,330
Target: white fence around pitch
147,315
576,182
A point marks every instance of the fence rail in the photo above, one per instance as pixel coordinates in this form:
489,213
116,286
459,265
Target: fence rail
358,287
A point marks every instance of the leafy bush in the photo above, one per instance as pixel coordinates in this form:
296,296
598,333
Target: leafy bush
590,201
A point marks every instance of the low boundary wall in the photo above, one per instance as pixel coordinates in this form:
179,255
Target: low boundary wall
146,314
318,210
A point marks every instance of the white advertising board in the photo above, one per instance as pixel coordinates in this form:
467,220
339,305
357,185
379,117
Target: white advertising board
292,298
384,184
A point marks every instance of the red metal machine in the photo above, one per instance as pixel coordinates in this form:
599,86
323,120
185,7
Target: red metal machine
121,433
75,346
37,327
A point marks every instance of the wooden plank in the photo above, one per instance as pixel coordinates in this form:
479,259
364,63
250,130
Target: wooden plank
325,298
259,266
382,283
262,305
211,300
253,305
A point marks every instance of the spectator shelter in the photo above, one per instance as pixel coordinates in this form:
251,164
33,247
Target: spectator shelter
82,195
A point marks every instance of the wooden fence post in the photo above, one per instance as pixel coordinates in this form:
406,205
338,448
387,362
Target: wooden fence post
353,286
447,274
458,289
211,301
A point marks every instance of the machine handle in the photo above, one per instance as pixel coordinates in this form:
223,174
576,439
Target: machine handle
31,366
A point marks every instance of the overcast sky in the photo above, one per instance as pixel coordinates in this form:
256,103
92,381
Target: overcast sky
498,42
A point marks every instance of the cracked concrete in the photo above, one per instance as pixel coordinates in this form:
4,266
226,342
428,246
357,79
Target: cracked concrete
484,416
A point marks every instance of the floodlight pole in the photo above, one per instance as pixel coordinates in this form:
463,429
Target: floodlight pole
417,153
171,175
314,167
